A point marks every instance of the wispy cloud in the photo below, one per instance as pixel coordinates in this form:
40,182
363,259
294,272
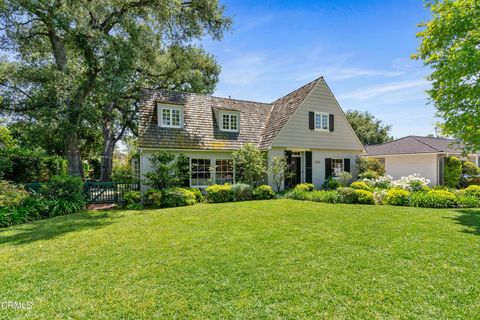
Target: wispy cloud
389,88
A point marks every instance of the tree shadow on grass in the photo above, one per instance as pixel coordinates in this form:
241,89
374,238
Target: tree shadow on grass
54,227
469,218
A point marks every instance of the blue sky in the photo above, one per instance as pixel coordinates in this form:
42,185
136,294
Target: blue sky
362,48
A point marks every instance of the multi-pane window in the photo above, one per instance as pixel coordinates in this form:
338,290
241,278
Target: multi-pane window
229,122
170,117
321,121
337,166
200,172
224,171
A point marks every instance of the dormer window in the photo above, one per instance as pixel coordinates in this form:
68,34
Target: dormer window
170,116
229,121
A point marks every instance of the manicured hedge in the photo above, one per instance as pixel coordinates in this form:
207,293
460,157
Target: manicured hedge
178,197
433,199
263,192
397,197
220,193
305,187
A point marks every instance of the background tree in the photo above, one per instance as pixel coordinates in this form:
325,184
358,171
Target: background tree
368,129
249,164
71,55
450,47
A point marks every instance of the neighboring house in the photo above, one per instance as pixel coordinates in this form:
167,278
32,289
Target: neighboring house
308,126
421,155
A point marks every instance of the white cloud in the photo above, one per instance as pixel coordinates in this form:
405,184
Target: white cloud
389,88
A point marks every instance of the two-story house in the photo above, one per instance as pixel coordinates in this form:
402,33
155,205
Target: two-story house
307,125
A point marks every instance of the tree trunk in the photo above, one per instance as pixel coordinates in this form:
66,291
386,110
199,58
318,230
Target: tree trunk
106,163
75,167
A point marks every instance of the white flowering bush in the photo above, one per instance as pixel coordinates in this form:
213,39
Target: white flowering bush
413,182
384,182
379,196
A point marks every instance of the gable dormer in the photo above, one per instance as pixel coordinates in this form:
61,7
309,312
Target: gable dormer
170,115
228,120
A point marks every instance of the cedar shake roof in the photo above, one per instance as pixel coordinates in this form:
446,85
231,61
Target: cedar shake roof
414,145
260,123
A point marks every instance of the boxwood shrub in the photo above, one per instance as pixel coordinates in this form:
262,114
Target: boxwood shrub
347,195
152,198
433,199
466,201
242,191
360,185
305,187
472,190
198,194
263,192
133,200
220,193
178,197
364,196
327,196
397,197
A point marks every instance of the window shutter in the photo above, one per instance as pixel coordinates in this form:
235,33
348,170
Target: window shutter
331,124
346,165
308,167
328,168
311,120
155,118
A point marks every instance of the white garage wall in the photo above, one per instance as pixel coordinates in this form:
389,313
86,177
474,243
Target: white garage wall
425,165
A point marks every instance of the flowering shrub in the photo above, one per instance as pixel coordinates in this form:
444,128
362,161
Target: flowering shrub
413,182
384,182
379,196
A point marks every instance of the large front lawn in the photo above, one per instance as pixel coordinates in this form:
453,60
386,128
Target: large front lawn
259,259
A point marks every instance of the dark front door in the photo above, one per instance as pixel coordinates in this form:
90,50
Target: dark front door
296,171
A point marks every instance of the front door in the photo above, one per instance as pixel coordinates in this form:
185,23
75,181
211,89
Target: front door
296,171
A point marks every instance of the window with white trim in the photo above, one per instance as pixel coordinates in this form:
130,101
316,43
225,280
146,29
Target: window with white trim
337,166
224,171
229,122
170,117
321,121
200,172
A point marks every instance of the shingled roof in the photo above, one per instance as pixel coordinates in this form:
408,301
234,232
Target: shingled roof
260,123
415,145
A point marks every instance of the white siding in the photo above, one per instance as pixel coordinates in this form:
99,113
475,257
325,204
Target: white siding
145,165
318,163
404,165
297,134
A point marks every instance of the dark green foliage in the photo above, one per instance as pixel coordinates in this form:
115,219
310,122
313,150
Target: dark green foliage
65,195
198,194
242,191
220,193
360,185
452,172
397,197
133,200
11,195
177,197
327,196
152,198
370,164
24,165
368,129
433,199
364,197
347,195
168,170
263,192
305,187
331,184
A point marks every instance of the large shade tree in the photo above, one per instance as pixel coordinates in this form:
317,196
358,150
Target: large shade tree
79,58
451,48
368,129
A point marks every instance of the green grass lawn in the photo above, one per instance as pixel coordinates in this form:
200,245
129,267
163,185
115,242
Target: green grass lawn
259,259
